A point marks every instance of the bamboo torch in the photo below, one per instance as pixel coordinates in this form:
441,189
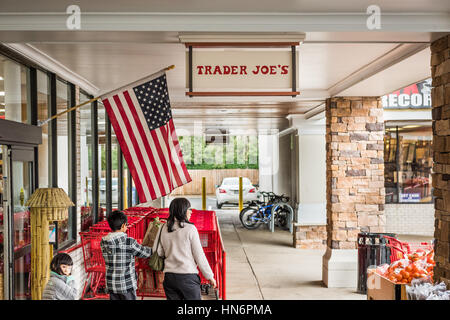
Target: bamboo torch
46,205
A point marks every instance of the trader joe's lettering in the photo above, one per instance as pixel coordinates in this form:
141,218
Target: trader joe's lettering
242,70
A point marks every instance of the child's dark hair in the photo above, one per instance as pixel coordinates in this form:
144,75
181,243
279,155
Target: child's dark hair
58,260
116,219
178,209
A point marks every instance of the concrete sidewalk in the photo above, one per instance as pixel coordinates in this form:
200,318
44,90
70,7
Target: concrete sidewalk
264,265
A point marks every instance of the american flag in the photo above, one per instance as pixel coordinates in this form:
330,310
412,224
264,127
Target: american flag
142,120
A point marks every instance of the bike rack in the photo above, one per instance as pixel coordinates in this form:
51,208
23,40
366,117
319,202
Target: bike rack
272,221
291,219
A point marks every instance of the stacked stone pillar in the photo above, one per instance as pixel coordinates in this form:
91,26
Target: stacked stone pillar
355,182
440,97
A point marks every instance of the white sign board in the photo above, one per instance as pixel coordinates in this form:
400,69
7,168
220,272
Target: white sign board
225,70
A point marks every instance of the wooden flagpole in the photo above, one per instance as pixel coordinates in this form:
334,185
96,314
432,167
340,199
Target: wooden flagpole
41,123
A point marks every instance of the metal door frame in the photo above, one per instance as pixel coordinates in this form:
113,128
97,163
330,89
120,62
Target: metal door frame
13,153
18,141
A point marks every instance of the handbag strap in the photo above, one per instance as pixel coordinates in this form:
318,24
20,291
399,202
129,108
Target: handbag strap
159,238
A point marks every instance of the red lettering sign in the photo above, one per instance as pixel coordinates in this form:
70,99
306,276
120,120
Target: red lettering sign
242,70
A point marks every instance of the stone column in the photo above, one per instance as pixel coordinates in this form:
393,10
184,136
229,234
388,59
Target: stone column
440,97
355,182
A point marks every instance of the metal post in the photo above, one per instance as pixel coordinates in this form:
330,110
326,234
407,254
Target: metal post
294,69
120,178
397,163
108,151
125,194
203,193
72,140
130,189
52,133
8,272
32,112
272,221
95,173
241,198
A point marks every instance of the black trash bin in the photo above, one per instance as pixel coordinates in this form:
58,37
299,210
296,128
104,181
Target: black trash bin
372,251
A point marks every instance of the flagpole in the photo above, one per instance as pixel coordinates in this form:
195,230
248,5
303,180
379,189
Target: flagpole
41,123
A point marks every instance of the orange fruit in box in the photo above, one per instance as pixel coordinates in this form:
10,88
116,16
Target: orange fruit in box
404,274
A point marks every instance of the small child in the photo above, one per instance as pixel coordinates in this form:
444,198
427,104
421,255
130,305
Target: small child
119,252
61,285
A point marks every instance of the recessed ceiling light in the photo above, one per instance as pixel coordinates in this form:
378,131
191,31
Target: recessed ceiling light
1,78
2,93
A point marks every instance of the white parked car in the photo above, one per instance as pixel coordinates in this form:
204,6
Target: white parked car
228,191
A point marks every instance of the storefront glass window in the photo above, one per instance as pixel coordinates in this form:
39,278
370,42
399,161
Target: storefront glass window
13,91
115,170
63,155
101,121
408,163
86,164
1,224
42,113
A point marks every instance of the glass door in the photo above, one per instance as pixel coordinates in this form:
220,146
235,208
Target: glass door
2,296
18,185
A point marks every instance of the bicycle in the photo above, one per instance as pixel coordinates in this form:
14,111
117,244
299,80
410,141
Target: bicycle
260,212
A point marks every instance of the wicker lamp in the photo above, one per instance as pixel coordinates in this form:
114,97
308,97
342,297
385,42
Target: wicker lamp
46,205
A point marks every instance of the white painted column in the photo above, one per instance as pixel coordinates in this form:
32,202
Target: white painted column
268,161
311,171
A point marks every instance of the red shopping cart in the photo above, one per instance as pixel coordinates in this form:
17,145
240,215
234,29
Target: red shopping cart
94,265
150,283
400,249
135,229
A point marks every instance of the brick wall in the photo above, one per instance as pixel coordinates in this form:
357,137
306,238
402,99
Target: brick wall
440,97
310,236
355,169
415,219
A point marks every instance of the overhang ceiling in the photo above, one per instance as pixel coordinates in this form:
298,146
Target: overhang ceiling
229,6
105,55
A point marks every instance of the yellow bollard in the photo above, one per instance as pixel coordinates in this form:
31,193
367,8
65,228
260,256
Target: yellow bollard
203,193
241,197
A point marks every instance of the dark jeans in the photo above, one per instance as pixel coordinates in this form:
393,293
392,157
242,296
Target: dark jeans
130,295
179,286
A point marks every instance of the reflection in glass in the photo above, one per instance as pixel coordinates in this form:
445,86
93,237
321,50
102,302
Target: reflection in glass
63,155
42,113
13,91
21,184
408,163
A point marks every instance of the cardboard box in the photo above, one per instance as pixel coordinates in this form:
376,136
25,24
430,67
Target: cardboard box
381,288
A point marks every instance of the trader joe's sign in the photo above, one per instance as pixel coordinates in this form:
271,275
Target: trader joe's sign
415,96
242,71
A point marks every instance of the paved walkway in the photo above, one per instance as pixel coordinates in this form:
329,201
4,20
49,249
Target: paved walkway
264,265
